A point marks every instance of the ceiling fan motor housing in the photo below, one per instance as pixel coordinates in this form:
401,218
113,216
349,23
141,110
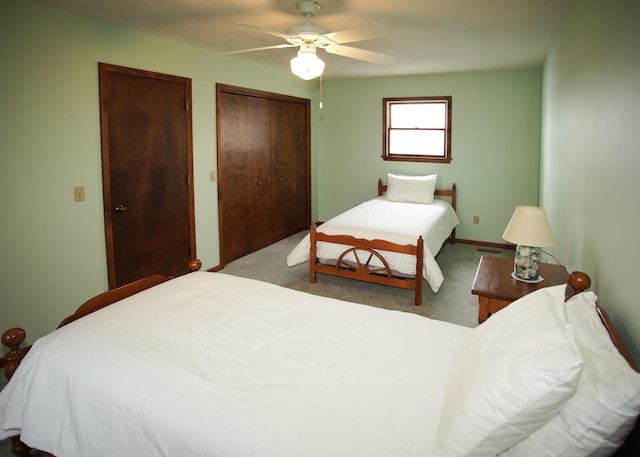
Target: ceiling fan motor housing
308,8
308,31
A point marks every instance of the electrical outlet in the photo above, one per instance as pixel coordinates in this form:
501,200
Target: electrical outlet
476,219
78,194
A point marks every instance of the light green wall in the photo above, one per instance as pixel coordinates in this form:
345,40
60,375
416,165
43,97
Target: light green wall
53,253
52,249
591,153
495,143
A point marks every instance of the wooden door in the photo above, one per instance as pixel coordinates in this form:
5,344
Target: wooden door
290,204
146,170
264,172
244,178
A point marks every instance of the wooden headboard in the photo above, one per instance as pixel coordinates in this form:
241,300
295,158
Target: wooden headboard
631,446
451,193
576,283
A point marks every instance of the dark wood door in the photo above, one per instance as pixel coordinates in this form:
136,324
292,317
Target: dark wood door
244,178
264,171
147,169
290,210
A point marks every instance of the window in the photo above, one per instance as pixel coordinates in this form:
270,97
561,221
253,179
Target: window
417,129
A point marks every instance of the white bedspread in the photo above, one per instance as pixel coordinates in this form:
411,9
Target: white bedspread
213,365
400,223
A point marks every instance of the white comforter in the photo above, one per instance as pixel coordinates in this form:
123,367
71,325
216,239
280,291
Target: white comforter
213,365
400,223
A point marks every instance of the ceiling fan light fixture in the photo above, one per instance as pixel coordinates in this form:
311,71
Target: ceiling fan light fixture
307,65
310,37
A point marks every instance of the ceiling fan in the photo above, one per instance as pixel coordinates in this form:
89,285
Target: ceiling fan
308,37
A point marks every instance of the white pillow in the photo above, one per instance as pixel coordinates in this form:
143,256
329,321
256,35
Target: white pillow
603,410
410,189
508,377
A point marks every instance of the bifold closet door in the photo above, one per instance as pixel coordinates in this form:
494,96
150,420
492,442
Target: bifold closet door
264,172
289,193
244,175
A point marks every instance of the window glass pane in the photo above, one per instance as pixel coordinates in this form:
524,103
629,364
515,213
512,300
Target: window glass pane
418,115
417,142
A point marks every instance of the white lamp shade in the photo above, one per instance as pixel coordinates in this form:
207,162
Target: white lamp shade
307,65
529,226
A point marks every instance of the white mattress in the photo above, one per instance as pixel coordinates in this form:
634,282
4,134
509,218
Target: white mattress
214,365
400,223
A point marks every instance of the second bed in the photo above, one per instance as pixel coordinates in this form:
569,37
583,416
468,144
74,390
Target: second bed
392,239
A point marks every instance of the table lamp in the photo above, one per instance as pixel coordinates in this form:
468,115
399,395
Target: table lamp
529,229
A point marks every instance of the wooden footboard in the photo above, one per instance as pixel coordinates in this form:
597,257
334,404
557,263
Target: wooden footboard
364,251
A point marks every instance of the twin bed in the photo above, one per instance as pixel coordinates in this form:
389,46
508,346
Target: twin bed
209,364
391,240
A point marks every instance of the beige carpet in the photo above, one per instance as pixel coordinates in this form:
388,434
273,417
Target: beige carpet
453,303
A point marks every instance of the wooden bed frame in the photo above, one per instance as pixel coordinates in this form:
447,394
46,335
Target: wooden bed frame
14,337
365,250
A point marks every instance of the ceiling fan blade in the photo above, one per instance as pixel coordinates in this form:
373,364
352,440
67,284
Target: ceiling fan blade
264,48
361,54
362,33
284,36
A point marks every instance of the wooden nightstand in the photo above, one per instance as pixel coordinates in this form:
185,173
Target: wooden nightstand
495,287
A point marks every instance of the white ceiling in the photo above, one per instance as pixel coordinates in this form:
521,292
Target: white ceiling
427,36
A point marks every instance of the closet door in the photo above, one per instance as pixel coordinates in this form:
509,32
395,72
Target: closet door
290,168
243,175
264,171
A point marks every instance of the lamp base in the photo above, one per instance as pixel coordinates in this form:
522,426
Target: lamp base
540,279
526,266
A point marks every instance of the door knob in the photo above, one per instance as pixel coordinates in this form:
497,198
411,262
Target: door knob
121,208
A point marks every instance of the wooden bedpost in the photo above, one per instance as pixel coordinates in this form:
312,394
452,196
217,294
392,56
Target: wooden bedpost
454,203
576,283
312,254
454,195
13,339
19,449
419,263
